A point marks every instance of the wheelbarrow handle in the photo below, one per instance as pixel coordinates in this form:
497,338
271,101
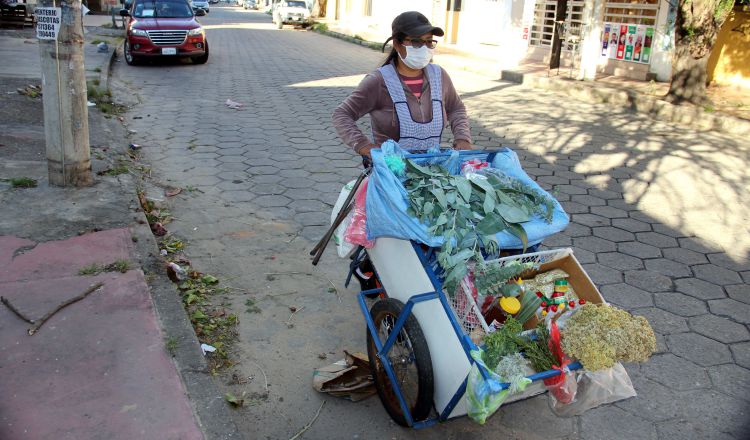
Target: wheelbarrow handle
317,251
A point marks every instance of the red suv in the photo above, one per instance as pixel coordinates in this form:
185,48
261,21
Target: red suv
164,28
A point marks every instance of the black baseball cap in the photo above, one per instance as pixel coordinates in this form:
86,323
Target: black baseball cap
412,23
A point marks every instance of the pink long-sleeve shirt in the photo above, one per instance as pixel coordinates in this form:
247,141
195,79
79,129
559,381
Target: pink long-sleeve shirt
371,97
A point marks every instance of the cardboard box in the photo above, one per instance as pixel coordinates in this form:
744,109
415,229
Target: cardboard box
578,280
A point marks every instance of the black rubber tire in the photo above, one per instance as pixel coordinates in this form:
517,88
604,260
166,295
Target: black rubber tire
411,339
203,58
131,59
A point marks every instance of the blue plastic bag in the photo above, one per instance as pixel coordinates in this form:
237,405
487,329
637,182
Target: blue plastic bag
388,200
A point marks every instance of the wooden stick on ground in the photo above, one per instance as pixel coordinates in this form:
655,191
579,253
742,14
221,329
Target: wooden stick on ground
289,321
15,310
38,324
306,427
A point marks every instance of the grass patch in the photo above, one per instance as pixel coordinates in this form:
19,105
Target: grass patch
251,306
212,323
92,269
171,345
22,182
99,41
320,27
97,69
103,99
117,170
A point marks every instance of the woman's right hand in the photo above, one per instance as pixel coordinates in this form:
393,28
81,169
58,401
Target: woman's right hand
365,151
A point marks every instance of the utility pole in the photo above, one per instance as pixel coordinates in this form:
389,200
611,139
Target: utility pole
66,123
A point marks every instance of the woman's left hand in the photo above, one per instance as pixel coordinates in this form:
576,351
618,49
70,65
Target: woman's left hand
462,144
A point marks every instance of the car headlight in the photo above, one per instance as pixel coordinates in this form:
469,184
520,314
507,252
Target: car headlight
138,32
196,31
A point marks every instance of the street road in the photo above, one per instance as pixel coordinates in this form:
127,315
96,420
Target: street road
655,208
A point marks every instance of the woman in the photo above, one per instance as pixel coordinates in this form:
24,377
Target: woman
408,99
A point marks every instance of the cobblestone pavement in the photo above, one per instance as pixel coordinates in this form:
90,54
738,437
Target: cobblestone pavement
658,218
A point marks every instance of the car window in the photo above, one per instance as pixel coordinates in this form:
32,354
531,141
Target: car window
162,9
295,4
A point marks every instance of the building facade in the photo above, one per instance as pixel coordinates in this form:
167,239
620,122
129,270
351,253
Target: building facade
630,38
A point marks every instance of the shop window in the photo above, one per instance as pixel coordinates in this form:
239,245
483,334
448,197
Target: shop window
632,12
544,21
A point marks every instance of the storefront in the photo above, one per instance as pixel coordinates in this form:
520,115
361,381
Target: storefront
632,39
628,38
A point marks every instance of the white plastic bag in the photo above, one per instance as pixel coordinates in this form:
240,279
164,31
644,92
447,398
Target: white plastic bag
595,388
343,247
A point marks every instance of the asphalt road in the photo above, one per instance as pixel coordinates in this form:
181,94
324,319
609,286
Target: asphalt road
654,221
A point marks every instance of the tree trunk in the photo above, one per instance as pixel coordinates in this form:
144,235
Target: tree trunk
689,76
697,26
319,8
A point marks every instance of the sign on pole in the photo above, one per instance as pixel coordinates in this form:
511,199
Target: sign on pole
47,23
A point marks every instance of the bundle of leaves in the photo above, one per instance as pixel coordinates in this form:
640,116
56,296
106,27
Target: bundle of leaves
599,335
502,342
536,201
537,350
491,278
468,214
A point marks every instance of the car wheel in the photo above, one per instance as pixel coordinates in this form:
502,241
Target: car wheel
131,59
203,58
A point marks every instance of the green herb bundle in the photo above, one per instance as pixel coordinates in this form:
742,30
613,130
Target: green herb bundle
490,278
502,342
468,213
538,352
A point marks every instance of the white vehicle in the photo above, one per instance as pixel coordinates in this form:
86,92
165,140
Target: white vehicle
291,12
200,4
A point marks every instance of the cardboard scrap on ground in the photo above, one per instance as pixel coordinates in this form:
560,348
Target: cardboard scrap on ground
349,378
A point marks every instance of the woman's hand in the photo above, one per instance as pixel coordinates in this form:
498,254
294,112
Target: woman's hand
365,151
462,144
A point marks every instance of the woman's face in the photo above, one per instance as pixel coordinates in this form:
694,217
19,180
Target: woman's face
400,47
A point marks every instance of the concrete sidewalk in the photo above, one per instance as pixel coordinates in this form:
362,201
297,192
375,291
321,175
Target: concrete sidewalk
124,362
96,369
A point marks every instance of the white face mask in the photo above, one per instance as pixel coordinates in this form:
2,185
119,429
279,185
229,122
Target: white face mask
417,58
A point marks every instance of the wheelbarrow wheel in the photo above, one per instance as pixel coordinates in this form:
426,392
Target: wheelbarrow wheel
409,358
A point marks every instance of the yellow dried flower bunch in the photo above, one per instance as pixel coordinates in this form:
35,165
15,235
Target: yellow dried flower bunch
599,335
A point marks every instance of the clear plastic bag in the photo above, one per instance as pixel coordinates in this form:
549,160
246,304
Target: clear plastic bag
356,233
595,388
343,247
485,395
562,388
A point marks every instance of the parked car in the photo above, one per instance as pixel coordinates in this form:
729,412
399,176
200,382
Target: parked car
168,28
291,12
249,4
199,4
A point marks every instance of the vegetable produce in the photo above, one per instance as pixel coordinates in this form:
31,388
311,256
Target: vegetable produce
502,342
512,369
599,335
489,278
468,213
537,351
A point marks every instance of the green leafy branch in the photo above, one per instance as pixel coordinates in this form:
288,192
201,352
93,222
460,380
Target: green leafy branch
469,213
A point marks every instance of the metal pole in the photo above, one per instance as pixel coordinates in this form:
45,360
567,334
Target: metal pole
66,125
